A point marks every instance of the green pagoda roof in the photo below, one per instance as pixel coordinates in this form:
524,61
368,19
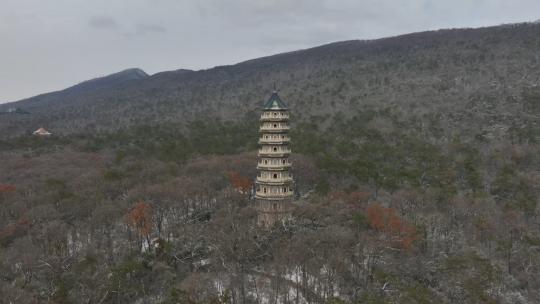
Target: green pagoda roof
274,103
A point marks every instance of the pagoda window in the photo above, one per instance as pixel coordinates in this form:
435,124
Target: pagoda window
275,175
266,162
275,125
264,190
275,114
284,190
275,149
283,161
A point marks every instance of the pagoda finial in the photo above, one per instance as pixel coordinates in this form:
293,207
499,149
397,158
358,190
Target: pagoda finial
275,89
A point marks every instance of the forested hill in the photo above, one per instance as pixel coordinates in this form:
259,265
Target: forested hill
466,79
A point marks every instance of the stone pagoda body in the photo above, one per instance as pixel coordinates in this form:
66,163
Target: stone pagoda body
274,191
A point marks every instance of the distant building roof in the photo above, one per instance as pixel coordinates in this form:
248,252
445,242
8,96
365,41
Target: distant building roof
275,103
41,131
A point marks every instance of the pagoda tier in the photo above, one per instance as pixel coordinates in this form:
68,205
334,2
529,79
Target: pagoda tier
274,139
274,116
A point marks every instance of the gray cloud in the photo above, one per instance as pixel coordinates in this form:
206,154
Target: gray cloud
158,35
143,29
102,22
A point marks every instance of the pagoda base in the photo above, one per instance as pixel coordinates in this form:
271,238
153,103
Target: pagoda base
270,212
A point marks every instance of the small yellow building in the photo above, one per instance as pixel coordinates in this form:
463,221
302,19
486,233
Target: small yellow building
42,132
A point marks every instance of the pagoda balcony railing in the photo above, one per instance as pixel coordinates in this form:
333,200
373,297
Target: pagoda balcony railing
271,153
276,129
275,118
262,166
277,141
271,115
273,196
271,180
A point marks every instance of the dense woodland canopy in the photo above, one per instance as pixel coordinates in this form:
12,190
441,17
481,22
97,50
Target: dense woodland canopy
416,158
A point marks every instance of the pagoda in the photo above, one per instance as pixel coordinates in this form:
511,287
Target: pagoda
274,191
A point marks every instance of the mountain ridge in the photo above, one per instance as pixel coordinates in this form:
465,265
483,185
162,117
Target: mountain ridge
443,71
354,42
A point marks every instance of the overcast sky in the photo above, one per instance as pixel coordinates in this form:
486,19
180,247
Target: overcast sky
48,45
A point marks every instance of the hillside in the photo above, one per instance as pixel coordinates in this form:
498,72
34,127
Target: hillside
470,78
415,159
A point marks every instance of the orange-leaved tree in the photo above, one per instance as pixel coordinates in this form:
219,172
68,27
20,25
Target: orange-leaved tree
5,188
240,183
139,218
396,230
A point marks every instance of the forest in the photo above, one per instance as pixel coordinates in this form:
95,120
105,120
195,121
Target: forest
417,183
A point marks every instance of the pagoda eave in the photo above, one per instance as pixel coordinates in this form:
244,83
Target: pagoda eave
278,119
274,155
282,109
274,198
280,183
282,130
283,142
284,168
